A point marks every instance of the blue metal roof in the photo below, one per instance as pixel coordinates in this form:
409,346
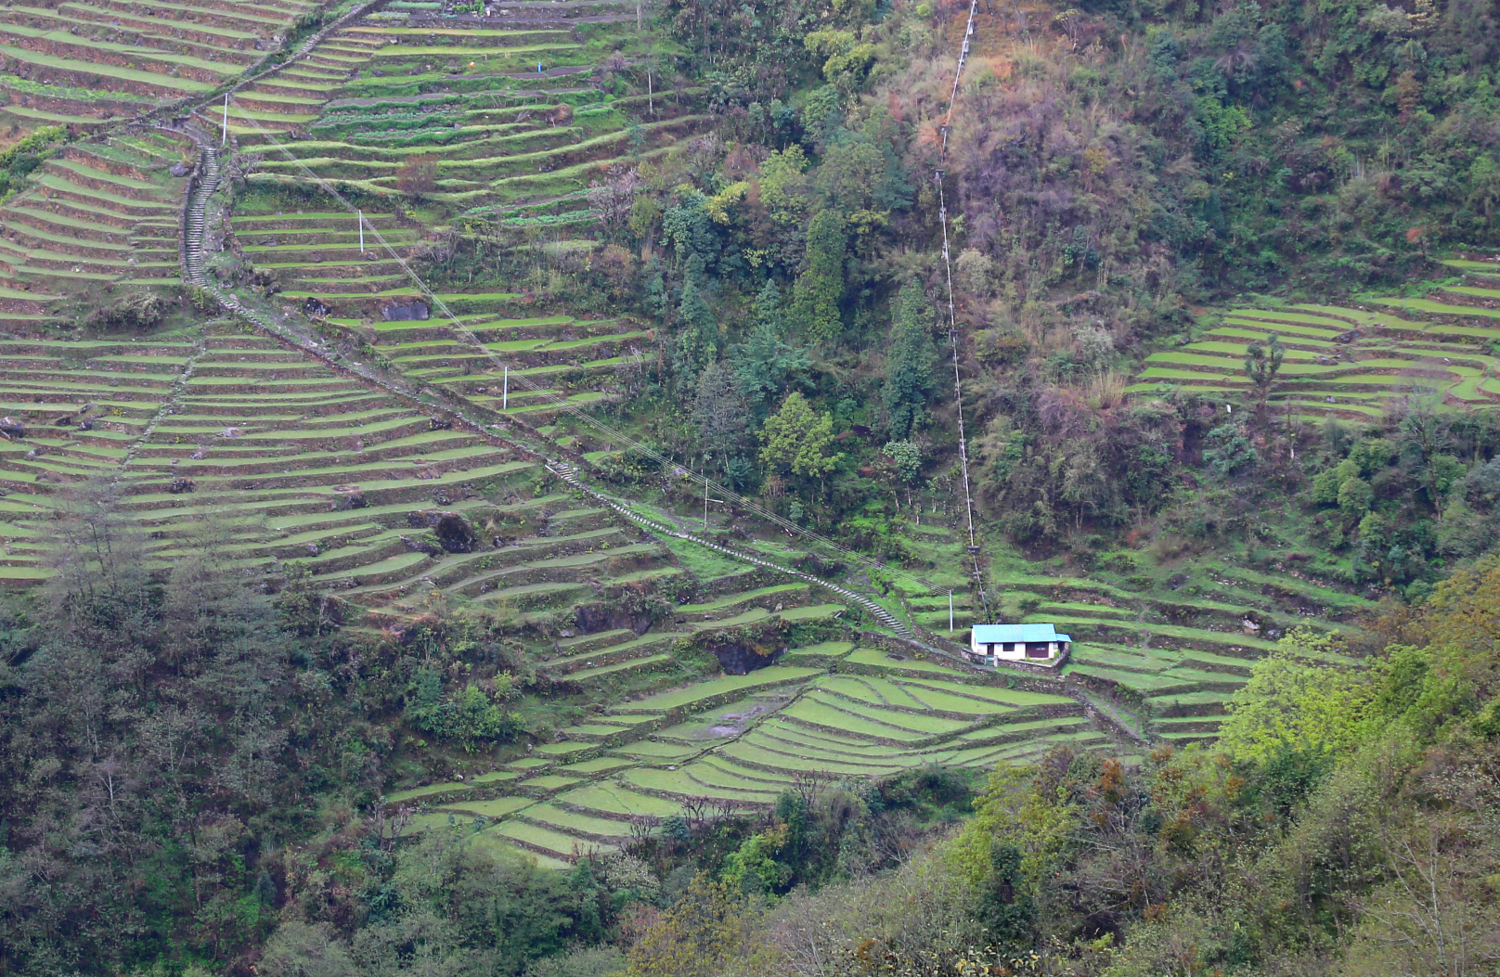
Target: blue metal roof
1011,633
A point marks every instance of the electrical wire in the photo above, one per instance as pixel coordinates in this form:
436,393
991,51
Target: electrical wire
958,390
612,434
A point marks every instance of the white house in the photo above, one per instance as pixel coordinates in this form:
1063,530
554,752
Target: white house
1039,643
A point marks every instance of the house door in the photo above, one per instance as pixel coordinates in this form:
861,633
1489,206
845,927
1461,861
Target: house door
1036,649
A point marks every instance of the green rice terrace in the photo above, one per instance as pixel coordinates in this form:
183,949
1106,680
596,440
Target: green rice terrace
504,120
97,216
497,125
828,709
89,62
1353,362
1163,649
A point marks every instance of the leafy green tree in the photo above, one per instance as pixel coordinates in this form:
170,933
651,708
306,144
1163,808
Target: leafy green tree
698,342
784,186
1355,496
1295,701
298,949
1229,451
306,609
755,868
1262,363
461,909
470,718
703,935
1484,187
721,412
1004,908
905,459
908,375
690,231
764,361
820,289
797,439
1426,429
845,60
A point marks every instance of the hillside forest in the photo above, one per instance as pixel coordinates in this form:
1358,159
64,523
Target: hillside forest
886,299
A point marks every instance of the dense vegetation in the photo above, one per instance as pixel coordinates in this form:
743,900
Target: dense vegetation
188,769
195,758
1109,169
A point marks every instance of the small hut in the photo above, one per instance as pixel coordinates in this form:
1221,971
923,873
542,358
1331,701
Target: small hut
1037,643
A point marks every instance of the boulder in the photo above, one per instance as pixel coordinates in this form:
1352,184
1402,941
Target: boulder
452,530
407,312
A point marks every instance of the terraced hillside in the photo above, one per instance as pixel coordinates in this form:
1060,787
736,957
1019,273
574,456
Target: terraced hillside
1176,652
97,217
85,63
504,119
829,710
1167,640
566,360
1354,362
302,464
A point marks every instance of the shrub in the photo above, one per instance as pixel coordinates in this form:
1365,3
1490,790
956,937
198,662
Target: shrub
1231,451
469,718
138,309
418,176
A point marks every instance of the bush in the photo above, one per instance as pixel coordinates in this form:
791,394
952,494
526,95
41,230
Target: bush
418,176
138,309
583,962
469,718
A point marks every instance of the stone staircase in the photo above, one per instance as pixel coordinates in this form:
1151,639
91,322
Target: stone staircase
201,185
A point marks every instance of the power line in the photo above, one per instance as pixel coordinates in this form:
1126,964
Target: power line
614,435
958,389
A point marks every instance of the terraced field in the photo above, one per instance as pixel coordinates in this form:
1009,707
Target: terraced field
85,63
1164,656
1354,362
1177,651
98,216
736,742
565,360
303,463
514,113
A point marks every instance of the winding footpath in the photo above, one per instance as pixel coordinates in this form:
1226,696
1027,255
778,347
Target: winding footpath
206,180
202,185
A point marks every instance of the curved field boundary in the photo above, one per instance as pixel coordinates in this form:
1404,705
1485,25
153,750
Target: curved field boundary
194,221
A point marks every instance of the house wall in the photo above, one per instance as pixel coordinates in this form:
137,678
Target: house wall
1016,655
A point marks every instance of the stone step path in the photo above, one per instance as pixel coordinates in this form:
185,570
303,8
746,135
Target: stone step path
201,185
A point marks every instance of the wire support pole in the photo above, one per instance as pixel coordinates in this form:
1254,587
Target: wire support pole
545,395
958,73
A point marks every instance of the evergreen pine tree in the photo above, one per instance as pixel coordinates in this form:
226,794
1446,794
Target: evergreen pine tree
698,343
816,296
908,380
763,361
